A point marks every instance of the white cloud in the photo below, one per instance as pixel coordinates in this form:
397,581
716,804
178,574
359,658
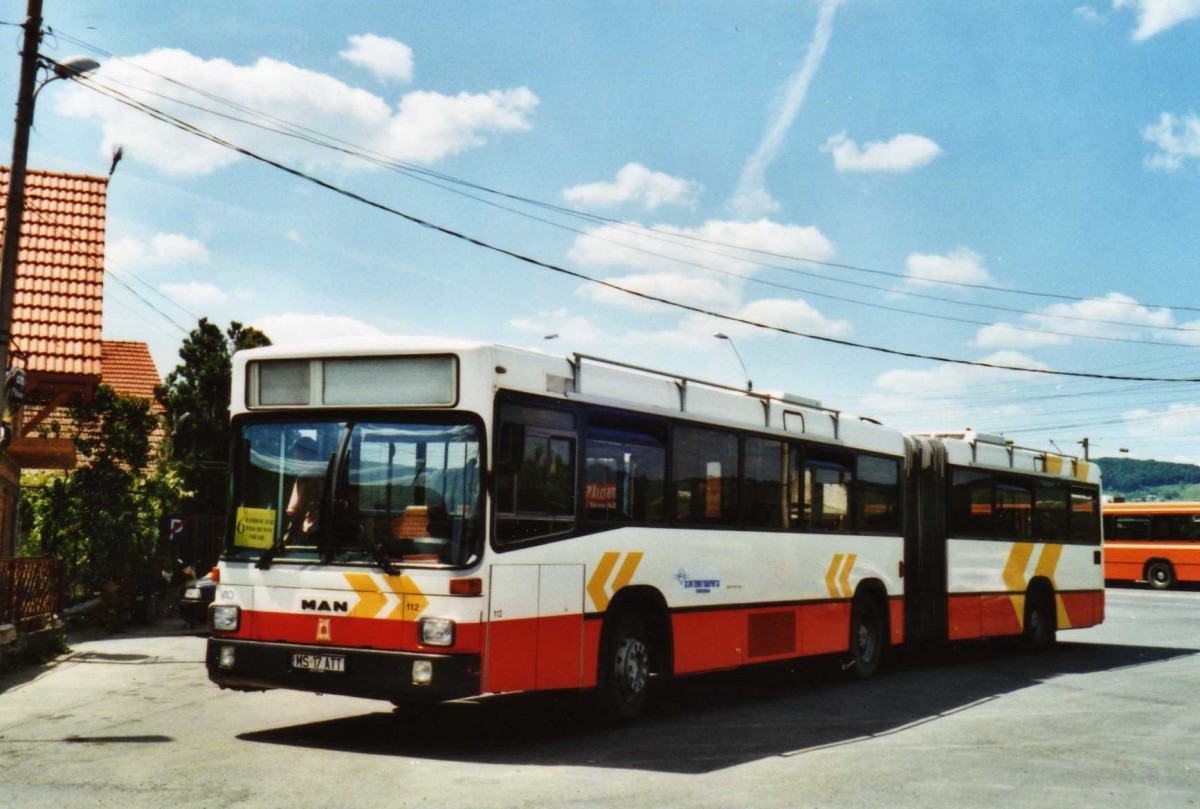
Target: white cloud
635,183
1114,315
752,197
424,127
961,266
614,245
299,327
1156,16
1177,139
163,249
1176,419
1006,335
193,294
385,57
704,292
953,376
791,313
904,152
1089,14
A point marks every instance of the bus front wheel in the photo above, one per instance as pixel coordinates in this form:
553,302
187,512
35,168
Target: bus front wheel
624,669
1160,574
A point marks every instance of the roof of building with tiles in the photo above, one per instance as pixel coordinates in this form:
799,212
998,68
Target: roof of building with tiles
59,300
128,368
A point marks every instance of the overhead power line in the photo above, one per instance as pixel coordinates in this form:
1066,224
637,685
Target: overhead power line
295,172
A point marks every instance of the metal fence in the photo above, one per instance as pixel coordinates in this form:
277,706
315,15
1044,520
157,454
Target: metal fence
31,591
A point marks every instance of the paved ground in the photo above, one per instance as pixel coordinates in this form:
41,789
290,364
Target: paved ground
1109,718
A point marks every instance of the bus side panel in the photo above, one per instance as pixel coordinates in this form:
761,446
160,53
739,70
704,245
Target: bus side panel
825,628
998,615
705,641
1078,610
1125,562
963,616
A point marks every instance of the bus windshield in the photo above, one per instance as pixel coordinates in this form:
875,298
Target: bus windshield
372,492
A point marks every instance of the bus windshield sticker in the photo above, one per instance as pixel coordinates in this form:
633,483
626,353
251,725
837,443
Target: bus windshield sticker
255,527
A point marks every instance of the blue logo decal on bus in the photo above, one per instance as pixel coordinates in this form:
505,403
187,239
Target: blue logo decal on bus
697,583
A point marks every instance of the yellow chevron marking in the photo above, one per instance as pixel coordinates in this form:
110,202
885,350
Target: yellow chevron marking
370,600
412,601
831,575
1014,577
1081,469
1054,464
595,585
628,568
844,579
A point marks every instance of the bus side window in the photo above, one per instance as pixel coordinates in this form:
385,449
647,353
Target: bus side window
1050,511
971,504
1084,523
1014,511
704,476
827,482
626,468
766,495
878,501
535,473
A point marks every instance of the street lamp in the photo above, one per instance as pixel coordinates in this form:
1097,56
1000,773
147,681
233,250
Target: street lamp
745,373
547,338
27,90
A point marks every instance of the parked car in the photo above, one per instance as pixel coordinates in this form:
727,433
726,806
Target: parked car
193,604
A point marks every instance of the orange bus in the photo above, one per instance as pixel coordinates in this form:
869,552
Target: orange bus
1155,542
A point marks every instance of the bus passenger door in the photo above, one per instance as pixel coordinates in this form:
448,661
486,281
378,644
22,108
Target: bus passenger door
535,628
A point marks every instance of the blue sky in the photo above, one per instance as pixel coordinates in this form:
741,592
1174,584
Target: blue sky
1015,183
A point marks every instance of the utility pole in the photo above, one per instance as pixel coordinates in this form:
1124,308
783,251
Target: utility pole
16,182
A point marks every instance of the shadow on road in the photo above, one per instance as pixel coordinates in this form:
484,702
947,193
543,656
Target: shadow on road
702,724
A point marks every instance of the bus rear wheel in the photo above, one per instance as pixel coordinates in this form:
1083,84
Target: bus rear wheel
624,669
1041,621
866,637
1160,574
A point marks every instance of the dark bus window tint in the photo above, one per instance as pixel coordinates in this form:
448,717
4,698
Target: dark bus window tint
1174,527
705,476
971,504
765,489
1014,511
878,502
535,473
827,480
1085,516
626,468
1129,528
1050,511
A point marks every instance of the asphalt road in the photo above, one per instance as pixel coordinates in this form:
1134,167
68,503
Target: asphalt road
1108,718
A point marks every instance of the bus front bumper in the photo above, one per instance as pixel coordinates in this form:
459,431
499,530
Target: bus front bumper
396,676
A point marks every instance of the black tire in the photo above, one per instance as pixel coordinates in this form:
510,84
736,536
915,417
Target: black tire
867,642
1041,621
624,669
1160,574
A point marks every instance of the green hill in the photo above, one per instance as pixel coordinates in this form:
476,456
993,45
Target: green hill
1150,480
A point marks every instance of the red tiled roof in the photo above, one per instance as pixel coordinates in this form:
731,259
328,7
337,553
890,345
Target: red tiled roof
58,306
128,368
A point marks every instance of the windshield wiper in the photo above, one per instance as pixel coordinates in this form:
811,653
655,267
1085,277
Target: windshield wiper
377,552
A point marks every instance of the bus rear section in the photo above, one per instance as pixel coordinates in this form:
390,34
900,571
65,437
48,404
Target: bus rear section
1157,543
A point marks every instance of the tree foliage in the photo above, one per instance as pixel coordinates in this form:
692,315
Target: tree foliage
196,399
102,518
1136,477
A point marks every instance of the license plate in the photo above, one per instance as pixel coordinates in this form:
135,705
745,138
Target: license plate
332,663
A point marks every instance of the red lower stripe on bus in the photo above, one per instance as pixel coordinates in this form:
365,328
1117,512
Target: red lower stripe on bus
995,615
336,630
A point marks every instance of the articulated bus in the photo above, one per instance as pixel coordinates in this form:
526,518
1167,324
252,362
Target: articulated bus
418,520
1155,542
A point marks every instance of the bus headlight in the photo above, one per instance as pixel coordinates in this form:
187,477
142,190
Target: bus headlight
436,631
224,617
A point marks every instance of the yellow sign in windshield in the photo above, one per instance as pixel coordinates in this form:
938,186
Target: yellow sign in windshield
255,527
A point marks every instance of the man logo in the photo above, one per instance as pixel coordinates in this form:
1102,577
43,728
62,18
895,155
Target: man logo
323,632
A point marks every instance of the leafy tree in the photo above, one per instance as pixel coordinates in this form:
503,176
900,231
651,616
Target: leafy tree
196,398
102,518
